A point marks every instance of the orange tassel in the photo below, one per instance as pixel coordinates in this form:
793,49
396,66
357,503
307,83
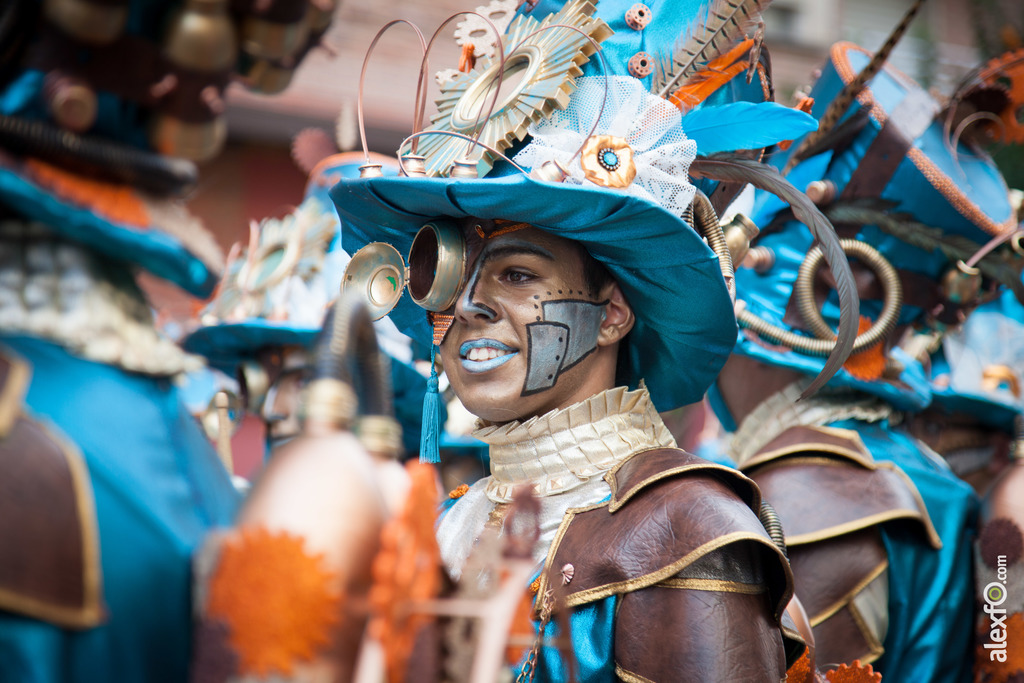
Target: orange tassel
718,72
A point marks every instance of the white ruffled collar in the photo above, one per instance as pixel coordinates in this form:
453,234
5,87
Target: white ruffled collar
563,449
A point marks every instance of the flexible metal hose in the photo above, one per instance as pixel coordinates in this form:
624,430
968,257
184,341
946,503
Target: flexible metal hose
350,342
804,287
773,525
706,222
110,160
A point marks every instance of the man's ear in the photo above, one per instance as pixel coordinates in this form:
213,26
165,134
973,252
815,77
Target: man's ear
618,316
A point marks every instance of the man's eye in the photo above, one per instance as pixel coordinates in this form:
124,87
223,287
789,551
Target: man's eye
517,276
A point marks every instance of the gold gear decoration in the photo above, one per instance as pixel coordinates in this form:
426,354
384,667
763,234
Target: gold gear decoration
539,73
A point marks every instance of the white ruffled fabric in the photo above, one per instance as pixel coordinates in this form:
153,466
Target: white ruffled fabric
650,125
563,455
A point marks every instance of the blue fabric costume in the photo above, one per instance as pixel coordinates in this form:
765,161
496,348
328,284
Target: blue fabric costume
157,488
108,485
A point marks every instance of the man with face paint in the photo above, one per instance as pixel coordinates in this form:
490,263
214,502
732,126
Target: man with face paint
571,300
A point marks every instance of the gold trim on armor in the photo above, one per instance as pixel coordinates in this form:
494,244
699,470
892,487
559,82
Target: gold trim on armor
847,599
629,676
864,522
715,585
876,649
634,584
12,393
615,504
91,613
861,457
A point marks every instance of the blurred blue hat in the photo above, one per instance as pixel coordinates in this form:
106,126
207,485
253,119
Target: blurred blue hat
637,228
277,289
105,105
979,370
889,178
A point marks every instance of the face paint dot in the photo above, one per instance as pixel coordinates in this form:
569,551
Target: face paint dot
559,291
558,357
549,293
538,320
559,339
536,296
550,376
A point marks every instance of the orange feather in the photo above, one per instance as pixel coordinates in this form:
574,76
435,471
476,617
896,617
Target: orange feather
718,72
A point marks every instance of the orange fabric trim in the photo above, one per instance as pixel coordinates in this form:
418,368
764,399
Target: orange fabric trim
940,181
440,322
116,203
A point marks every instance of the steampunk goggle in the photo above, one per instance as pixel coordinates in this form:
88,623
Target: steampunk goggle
435,274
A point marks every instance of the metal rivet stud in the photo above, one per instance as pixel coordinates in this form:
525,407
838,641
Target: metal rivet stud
638,16
641,65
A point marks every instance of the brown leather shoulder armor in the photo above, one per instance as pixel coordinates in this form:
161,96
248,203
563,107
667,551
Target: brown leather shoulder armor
681,527
832,498
824,483
49,543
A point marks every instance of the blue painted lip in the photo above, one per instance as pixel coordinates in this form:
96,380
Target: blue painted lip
485,365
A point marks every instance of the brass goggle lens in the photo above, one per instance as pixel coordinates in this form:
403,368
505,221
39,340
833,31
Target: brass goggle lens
437,265
377,274
435,276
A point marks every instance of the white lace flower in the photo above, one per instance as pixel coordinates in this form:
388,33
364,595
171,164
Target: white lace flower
649,125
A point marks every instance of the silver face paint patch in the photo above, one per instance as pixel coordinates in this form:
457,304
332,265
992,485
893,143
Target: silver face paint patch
567,334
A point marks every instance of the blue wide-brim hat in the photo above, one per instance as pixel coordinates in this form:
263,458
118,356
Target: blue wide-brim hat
684,321
978,370
226,344
962,195
685,326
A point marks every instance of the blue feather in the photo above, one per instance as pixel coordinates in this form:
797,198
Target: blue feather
745,125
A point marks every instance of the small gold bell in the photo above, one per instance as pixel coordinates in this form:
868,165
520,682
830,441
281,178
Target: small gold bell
414,165
98,23
463,168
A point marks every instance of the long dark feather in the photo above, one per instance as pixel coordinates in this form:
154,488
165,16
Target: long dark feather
953,247
844,99
767,178
726,23
835,139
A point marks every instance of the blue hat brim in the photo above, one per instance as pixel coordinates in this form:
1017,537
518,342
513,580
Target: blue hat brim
227,345
685,327
147,247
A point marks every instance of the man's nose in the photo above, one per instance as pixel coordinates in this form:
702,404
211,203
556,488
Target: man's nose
473,302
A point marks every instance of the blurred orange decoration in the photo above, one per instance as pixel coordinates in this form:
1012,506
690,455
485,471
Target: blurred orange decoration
279,602
407,570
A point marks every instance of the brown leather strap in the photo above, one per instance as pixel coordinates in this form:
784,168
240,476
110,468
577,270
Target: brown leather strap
48,532
906,123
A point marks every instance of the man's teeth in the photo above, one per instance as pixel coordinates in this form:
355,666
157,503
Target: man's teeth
486,353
